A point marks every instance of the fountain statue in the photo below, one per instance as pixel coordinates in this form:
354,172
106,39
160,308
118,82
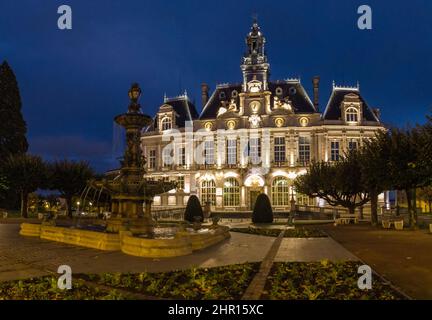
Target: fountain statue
130,192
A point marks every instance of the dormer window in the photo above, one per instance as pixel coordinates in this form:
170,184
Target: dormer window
166,124
351,115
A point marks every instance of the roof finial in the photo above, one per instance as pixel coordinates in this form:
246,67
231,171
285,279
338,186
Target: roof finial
358,85
255,18
334,84
185,93
165,97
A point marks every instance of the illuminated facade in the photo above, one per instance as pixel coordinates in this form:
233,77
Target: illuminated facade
252,137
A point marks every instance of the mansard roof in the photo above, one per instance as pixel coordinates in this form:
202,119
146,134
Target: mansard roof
294,90
184,109
333,110
286,88
224,92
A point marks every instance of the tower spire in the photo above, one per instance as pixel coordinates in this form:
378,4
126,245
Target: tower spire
254,65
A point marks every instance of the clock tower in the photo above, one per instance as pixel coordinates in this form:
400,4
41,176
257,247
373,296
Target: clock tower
255,95
255,67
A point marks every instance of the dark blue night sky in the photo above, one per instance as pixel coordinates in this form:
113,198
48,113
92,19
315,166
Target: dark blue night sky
74,82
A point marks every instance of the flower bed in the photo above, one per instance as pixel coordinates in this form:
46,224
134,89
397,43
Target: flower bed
45,288
322,280
222,283
289,233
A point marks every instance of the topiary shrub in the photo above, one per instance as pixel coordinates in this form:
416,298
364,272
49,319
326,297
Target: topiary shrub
193,209
263,212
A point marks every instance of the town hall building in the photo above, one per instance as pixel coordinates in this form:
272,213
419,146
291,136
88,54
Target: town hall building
252,137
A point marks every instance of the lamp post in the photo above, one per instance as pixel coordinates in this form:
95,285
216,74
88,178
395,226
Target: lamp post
293,207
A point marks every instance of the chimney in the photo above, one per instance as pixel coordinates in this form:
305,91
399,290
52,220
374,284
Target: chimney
315,82
204,93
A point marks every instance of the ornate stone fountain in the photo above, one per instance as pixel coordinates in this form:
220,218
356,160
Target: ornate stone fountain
129,191
131,229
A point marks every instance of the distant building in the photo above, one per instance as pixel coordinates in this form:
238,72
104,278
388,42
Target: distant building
252,137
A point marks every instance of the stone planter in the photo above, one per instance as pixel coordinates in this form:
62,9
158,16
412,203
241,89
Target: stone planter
40,216
399,225
386,224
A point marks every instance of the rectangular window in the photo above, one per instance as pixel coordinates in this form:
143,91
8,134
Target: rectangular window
209,152
352,145
304,200
304,150
334,151
152,159
231,151
180,183
167,157
279,149
182,156
255,150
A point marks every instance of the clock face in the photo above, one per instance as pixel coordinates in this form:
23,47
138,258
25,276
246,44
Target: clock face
255,106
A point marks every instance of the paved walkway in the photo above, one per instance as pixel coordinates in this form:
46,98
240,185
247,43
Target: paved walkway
256,287
403,257
23,257
312,249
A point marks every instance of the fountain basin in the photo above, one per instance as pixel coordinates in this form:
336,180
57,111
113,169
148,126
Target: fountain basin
183,243
78,237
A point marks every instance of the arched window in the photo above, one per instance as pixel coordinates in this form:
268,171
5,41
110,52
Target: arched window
351,115
280,192
231,193
208,192
166,124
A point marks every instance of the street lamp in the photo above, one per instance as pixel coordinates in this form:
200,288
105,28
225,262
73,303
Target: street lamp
293,206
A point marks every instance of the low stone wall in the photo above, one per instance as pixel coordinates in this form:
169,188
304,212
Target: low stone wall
30,229
203,240
183,244
83,238
156,248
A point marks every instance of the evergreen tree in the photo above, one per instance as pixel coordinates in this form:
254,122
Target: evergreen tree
13,127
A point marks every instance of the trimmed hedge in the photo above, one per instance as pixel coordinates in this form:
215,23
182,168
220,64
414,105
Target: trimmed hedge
263,212
193,209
